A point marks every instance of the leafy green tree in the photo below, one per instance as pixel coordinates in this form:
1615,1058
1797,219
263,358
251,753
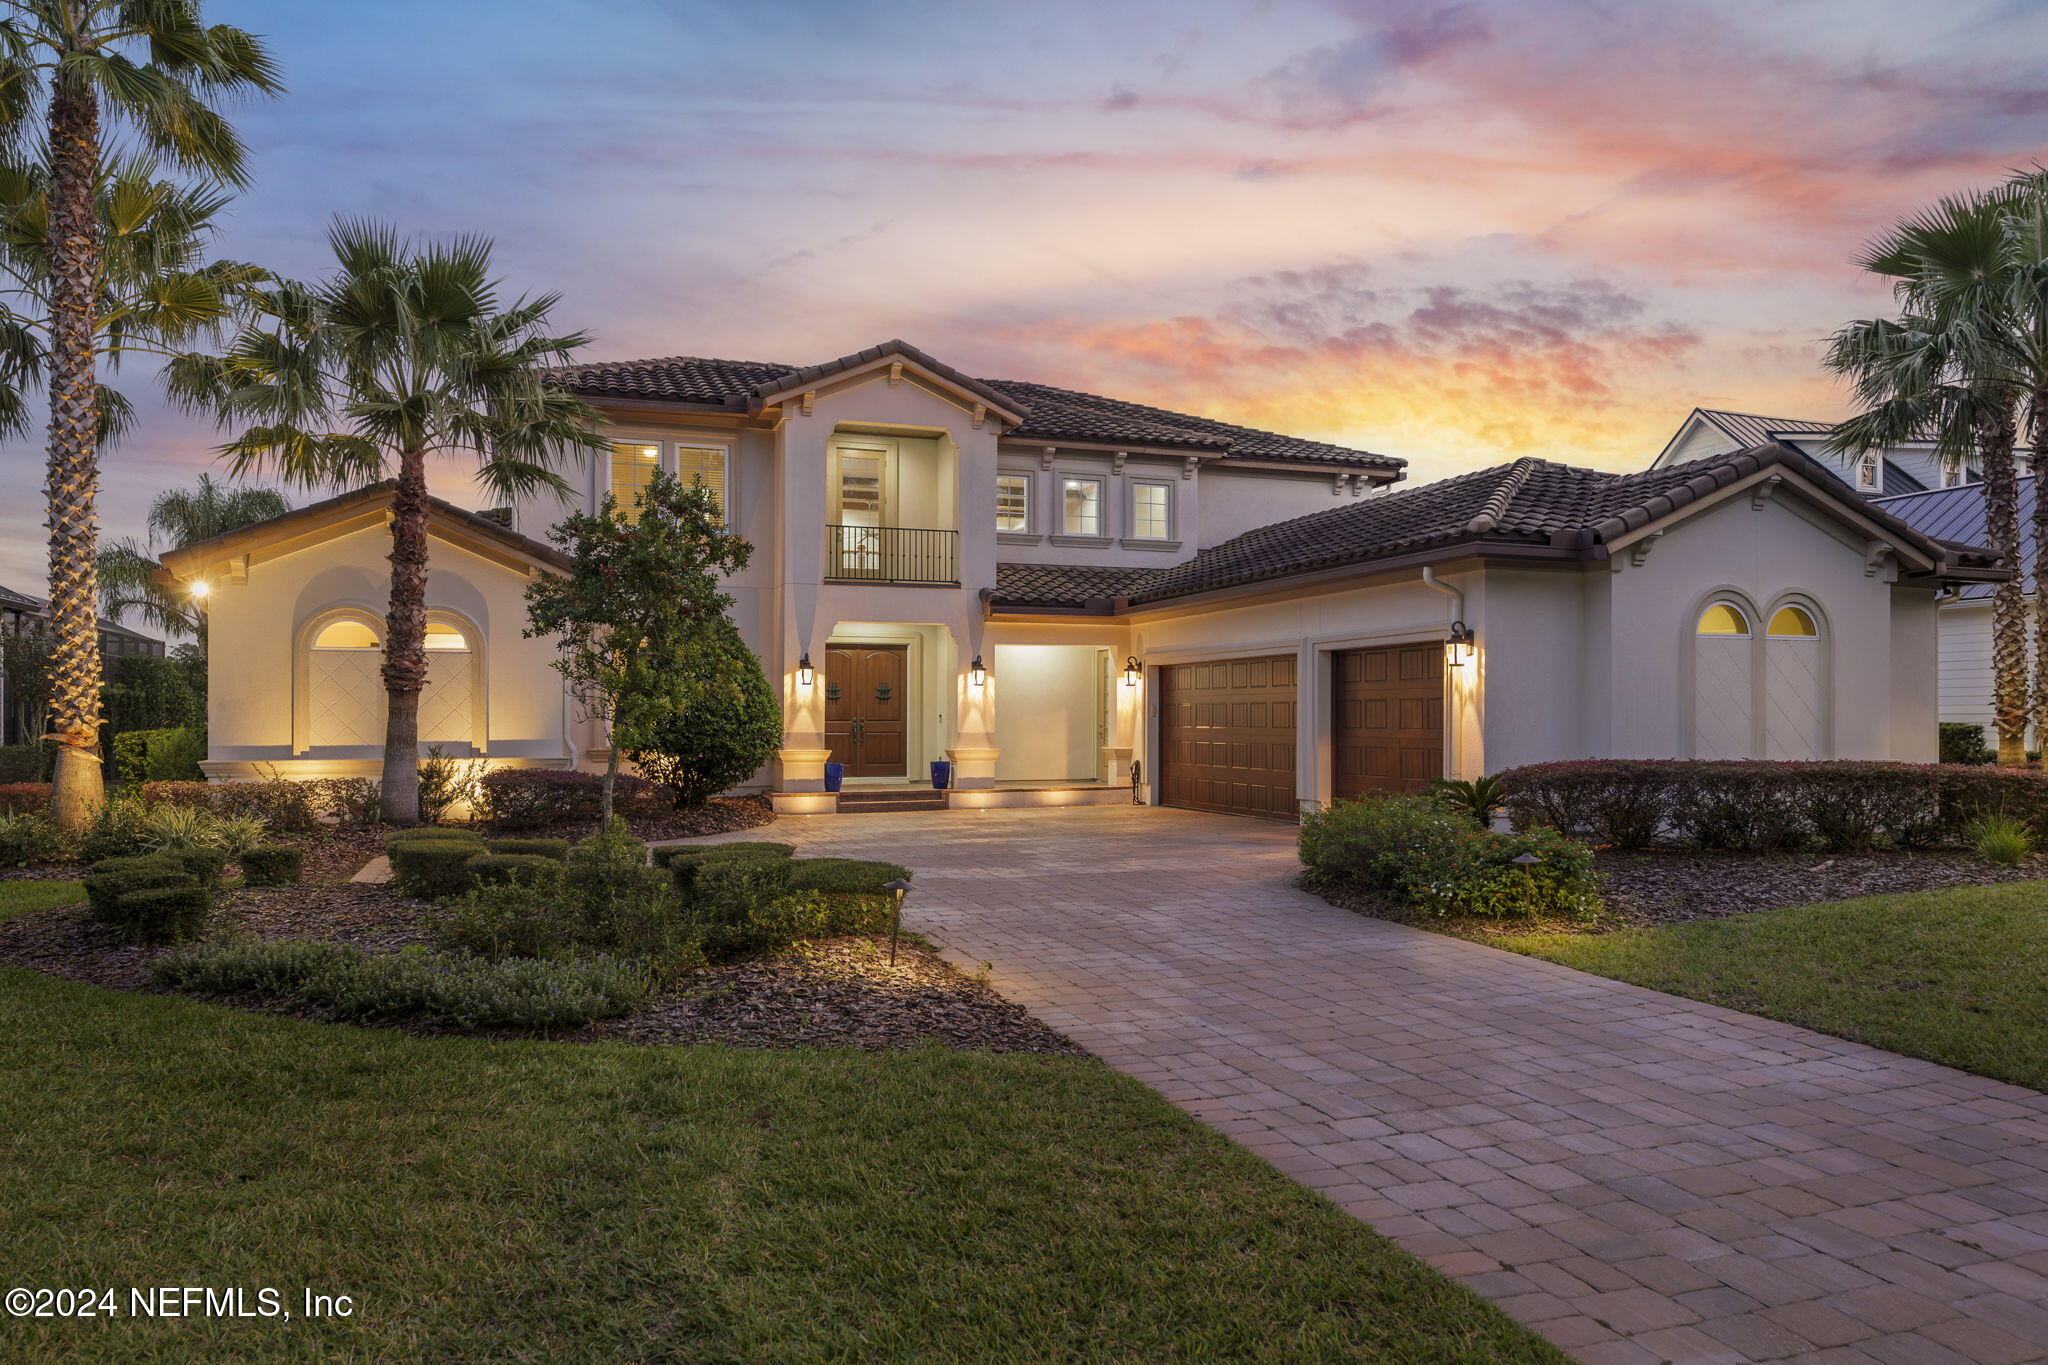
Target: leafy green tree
67,68
638,608
721,720
402,353
128,569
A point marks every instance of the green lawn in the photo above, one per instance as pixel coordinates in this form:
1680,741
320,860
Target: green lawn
18,898
1959,976
535,1201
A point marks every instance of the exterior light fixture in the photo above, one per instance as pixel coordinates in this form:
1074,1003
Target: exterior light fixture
805,674
976,674
899,886
1526,859
1133,670
1458,644
200,587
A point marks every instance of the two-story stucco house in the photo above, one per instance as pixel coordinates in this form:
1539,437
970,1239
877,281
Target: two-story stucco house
1045,588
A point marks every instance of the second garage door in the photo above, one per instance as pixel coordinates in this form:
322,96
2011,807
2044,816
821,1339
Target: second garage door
1389,727
1226,736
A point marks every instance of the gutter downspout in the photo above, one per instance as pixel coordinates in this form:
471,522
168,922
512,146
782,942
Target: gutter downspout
1453,713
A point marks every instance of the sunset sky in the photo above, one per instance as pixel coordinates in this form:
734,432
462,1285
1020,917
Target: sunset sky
1453,232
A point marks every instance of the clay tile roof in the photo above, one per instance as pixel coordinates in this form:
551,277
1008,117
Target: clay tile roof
1529,502
1049,414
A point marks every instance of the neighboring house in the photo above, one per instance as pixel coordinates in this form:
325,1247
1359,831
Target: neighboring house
1905,468
1966,674
17,609
1044,587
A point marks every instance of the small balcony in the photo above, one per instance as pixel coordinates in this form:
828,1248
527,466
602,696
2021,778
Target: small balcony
892,554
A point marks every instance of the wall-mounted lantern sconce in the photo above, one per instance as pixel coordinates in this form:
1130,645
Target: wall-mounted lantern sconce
1133,671
976,674
200,587
805,674
1458,644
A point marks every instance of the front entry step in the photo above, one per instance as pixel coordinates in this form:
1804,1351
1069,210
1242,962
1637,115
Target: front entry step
876,802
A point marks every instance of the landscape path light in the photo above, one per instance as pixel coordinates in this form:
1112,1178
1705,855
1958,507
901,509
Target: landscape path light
899,886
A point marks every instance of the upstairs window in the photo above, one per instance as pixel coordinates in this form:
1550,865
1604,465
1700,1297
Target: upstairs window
1082,500
1151,511
1951,471
633,467
1013,502
1869,474
634,464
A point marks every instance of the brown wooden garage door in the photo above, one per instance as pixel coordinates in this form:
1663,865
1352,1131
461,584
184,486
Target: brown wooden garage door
1389,730
1226,736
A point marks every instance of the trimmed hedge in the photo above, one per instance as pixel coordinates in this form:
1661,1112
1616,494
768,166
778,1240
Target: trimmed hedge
1962,742
433,867
845,876
425,834
272,865
557,849
539,798
113,878
514,869
166,914
1845,805
668,854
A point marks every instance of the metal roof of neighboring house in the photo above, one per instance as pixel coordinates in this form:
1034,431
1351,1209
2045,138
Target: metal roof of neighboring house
1048,413
1958,514
1530,506
1748,429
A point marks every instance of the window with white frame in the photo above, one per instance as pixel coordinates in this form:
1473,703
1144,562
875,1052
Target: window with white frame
1081,503
1868,475
1013,502
1151,511
633,465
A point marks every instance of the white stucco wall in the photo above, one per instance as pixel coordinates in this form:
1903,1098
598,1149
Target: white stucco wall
254,628
1048,712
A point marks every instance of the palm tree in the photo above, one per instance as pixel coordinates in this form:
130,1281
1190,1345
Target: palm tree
178,517
1948,368
402,353
2023,200
66,68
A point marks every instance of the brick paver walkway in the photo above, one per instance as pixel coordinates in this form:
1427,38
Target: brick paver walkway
1637,1176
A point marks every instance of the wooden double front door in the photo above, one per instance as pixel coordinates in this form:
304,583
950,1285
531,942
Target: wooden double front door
865,704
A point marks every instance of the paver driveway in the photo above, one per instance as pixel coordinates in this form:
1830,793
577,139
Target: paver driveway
1638,1176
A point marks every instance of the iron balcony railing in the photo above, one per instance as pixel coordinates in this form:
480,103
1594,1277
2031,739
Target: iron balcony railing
892,554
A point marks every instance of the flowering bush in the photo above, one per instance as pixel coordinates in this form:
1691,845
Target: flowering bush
1424,852
1844,805
19,798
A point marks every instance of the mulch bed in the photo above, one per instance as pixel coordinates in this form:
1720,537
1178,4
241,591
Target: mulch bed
1682,886
832,993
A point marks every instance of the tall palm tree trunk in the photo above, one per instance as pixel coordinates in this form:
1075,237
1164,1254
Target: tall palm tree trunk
405,644
2037,433
73,483
2008,600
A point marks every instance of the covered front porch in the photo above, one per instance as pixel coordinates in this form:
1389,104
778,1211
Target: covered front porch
1005,721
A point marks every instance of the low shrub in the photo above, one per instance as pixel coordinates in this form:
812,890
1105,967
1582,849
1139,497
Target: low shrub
508,921
165,914
181,827
204,865
732,879
1478,799
557,849
1964,743
1423,852
514,869
272,865
165,755
2001,840
279,802
454,834
433,868
31,838
113,878
118,829
272,967
349,801
457,989
1843,805
845,876
609,864
513,799
19,798
199,794
446,783
667,854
